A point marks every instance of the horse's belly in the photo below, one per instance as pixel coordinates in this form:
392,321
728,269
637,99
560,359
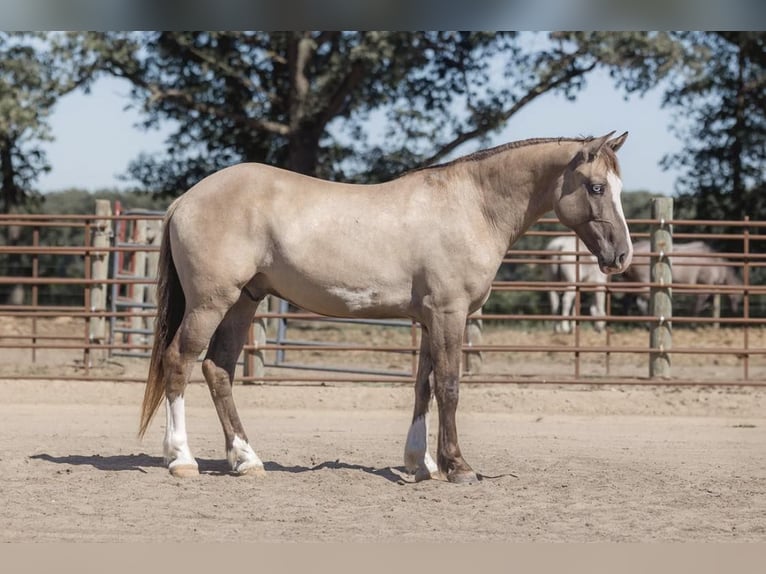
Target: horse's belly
343,299
365,301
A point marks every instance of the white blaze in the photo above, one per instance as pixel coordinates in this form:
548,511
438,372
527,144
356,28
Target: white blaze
615,186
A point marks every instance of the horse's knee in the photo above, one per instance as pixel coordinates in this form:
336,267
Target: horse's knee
448,390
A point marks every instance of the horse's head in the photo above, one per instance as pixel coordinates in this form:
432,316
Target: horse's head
587,200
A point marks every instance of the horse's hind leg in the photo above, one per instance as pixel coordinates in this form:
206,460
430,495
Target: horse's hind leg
178,360
218,367
416,456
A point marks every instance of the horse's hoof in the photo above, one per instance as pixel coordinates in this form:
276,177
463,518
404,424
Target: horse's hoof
184,470
253,471
422,474
462,477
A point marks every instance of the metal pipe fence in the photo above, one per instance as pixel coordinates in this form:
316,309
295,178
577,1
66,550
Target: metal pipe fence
48,316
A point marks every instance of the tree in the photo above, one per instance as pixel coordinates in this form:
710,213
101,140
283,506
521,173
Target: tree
721,96
31,81
315,102
26,99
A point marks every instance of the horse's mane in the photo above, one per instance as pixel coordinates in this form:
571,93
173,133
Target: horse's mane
489,152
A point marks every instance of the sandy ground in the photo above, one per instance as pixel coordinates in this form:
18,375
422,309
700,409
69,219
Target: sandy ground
559,464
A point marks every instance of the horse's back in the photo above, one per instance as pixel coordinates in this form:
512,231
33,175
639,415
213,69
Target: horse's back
249,201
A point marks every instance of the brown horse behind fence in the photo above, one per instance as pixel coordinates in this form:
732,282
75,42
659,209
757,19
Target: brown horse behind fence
425,246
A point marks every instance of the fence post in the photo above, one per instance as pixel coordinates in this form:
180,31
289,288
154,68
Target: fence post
99,269
139,289
661,301
473,328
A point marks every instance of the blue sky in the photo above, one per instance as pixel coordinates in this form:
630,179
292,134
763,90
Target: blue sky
96,136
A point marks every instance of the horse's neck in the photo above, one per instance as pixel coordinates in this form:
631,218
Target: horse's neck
516,185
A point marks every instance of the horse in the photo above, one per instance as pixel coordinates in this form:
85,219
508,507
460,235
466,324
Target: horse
702,268
424,246
564,269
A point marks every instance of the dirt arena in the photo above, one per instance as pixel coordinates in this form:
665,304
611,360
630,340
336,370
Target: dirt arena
558,463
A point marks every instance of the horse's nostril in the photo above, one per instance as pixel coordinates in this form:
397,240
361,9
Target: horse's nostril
621,259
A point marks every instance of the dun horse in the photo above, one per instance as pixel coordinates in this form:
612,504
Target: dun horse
565,268
693,263
425,246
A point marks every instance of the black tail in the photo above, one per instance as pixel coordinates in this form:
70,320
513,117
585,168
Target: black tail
171,304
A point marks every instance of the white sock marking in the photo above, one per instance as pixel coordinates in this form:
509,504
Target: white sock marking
416,456
176,446
242,457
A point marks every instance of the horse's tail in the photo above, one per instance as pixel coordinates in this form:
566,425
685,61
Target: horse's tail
171,304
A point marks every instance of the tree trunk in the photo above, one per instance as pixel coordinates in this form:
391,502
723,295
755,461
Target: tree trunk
11,198
303,151
737,147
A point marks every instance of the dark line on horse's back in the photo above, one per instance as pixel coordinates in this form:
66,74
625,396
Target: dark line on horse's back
489,152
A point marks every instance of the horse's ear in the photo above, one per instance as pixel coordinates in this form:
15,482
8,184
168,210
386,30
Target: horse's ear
593,147
617,142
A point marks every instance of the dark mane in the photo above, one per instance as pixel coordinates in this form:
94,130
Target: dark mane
485,153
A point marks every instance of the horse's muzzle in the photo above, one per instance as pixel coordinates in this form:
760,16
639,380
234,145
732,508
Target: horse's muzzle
619,263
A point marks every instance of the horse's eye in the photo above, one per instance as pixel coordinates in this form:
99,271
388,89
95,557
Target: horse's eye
596,188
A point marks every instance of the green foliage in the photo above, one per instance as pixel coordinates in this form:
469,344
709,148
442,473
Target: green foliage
720,95
357,106
31,81
79,201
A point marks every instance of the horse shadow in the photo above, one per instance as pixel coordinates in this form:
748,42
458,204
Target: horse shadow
123,462
214,467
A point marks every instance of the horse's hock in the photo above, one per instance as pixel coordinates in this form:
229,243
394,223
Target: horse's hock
113,324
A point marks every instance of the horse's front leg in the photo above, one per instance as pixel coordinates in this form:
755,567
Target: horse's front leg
417,459
446,334
598,309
